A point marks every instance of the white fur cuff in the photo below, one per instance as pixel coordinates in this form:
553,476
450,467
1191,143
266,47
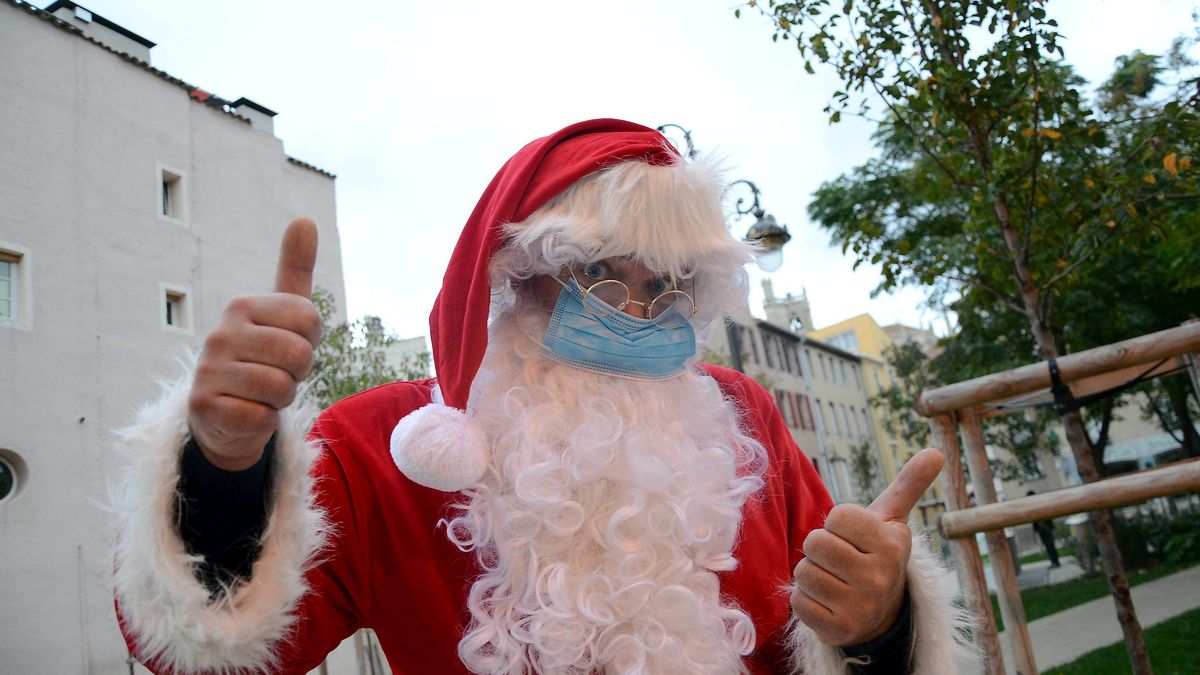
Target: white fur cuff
939,626
166,609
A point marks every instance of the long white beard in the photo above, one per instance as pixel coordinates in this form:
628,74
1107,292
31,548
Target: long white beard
609,506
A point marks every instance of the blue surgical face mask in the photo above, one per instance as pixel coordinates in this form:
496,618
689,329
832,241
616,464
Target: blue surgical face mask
611,342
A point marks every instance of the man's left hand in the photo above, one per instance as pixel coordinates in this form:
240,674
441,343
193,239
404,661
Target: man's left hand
850,585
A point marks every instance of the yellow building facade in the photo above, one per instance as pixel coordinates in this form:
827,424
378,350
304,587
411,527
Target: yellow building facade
863,337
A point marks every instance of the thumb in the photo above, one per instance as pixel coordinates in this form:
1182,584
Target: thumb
903,494
297,257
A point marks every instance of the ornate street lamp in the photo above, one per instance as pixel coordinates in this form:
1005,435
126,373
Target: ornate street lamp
766,232
687,138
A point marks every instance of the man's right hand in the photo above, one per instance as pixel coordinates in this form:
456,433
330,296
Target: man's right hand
255,358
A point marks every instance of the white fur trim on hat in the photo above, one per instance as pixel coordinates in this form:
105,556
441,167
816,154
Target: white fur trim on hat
167,610
440,447
940,627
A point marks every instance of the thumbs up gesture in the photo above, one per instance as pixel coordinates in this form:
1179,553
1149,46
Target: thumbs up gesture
256,357
850,586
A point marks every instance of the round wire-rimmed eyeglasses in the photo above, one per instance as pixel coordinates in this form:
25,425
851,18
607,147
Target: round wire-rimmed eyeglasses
670,309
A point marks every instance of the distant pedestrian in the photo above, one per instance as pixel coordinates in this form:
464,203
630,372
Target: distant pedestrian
1045,530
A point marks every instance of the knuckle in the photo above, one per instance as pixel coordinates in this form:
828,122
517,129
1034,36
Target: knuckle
218,340
282,388
843,514
280,381
806,575
809,618
313,330
894,544
877,584
241,305
287,397
309,316
206,372
800,608
799,571
200,403
260,417
812,541
300,355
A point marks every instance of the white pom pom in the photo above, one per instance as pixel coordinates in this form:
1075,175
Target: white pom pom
440,447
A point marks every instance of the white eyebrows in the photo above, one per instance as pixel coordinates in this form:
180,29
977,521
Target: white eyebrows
627,270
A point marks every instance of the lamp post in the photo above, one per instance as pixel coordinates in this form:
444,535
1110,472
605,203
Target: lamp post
770,237
687,137
766,232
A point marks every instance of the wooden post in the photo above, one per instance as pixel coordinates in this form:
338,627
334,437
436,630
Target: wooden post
1193,362
968,562
1004,570
1134,488
1144,349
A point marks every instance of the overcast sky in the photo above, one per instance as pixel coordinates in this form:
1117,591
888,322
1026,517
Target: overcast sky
416,105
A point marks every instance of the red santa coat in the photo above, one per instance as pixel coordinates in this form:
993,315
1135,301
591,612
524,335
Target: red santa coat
387,565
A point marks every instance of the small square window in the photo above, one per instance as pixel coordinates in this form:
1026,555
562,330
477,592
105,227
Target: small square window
176,309
8,285
16,286
172,194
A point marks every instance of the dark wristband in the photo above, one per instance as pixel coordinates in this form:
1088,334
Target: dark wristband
890,653
222,514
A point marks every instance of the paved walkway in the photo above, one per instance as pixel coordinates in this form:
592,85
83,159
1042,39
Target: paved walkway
1063,637
1040,573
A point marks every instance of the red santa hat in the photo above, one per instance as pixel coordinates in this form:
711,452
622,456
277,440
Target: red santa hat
439,446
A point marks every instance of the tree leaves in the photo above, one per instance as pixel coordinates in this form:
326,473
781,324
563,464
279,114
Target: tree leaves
980,129
1170,164
353,357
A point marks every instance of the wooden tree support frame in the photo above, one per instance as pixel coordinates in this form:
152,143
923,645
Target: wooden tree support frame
961,407
1135,488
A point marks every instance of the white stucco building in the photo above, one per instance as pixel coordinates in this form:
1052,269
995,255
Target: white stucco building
133,206
818,389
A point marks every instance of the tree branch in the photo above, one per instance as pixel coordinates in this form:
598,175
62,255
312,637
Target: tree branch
917,137
1031,210
1008,300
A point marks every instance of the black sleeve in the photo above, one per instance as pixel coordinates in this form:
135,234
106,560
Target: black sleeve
890,653
222,514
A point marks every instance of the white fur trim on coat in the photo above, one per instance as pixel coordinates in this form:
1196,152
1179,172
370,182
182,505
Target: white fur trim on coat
940,627
166,609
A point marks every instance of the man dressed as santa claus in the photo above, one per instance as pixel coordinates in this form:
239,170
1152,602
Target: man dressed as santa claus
572,494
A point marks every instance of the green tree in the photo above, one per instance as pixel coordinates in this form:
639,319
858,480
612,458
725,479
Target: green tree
353,357
1022,435
913,375
864,471
997,182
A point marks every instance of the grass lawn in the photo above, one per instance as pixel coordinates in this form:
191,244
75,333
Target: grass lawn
1046,600
1062,551
1035,557
1172,647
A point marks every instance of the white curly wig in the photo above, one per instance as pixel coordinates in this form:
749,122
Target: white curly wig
668,218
